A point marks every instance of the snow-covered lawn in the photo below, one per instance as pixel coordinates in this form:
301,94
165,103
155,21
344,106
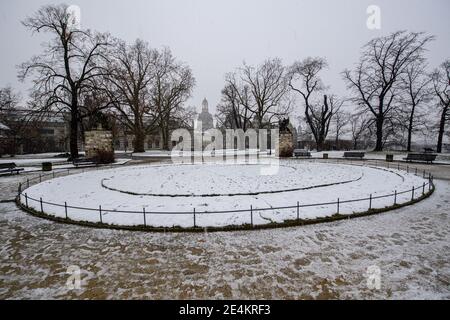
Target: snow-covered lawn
165,191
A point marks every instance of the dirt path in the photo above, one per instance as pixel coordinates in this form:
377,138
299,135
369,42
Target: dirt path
410,246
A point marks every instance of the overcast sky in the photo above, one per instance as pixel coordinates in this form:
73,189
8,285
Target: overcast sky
215,37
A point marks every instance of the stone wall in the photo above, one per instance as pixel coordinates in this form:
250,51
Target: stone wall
98,140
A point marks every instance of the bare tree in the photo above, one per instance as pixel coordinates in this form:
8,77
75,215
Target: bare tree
441,87
234,108
67,69
374,80
171,87
416,93
269,87
131,71
340,121
10,118
304,79
8,102
360,128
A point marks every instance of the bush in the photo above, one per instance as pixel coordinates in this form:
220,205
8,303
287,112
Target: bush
104,157
286,152
46,166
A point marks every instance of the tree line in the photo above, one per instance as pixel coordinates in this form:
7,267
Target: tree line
83,73
391,94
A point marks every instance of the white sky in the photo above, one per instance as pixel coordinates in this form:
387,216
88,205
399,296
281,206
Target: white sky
215,37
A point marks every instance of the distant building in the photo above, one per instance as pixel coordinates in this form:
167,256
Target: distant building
3,138
47,134
3,129
205,117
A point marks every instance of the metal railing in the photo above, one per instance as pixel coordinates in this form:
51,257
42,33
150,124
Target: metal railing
416,192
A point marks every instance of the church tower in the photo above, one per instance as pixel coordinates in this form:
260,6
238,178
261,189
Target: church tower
205,106
205,117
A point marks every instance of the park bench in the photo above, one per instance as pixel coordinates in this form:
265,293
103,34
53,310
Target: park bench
9,167
352,154
428,157
301,153
83,162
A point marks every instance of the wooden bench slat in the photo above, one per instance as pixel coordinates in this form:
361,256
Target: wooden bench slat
428,157
10,167
351,154
301,153
83,161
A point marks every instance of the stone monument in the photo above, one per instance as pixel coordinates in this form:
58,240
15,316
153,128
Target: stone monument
98,140
286,140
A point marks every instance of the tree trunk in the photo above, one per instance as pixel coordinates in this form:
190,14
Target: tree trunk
165,138
139,139
379,142
319,143
410,129
441,131
74,127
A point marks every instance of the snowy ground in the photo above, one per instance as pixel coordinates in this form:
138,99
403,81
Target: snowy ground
35,165
28,162
164,190
443,158
411,246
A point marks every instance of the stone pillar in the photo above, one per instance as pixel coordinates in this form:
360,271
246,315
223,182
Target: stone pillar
285,145
98,140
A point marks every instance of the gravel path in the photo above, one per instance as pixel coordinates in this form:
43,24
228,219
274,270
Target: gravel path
410,246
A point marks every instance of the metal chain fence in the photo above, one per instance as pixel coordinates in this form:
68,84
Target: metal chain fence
415,191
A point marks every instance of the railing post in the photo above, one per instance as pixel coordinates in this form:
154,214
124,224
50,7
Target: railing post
195,224
370,202
416,171
65,209
412,193
42,208
395,197
424,174
26,200
338,206
20,189
145,221
40,178
251,215
398,166
407,169
423,189
100,211
53,174
298,210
